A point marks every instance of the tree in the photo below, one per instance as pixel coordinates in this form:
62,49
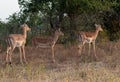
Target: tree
111,20
35,11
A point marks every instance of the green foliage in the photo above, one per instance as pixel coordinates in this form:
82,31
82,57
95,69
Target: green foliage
90,10
3,34
112,25
44,16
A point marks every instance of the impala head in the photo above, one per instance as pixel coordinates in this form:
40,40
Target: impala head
98,27
59,32
25,27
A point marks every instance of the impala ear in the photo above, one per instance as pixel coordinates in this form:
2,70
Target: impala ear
23,25
96,25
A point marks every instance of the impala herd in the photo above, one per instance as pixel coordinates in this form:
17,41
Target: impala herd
19,40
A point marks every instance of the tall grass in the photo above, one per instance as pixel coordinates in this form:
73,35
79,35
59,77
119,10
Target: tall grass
69,66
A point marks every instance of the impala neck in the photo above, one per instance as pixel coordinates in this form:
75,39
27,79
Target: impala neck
55,38
96,33
24,33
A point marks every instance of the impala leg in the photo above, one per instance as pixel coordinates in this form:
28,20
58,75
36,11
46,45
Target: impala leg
83,46
52,50
11,54
89,48
20,55
79,49
23,50
94,49
7,54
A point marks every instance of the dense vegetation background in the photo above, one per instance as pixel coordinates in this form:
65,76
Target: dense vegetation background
72,16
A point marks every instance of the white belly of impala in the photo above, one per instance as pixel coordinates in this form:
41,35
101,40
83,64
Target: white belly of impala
19,43
88,40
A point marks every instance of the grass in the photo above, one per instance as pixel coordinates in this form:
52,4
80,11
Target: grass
92,72
70,66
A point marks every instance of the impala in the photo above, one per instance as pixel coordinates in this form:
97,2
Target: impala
90,38
48,42
17,40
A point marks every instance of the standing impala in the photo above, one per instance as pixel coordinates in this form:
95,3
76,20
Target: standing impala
47,42
89,37
17,40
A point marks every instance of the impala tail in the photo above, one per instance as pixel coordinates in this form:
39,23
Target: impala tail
80,37
8,41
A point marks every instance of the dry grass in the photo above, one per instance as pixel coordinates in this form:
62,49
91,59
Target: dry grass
69,66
